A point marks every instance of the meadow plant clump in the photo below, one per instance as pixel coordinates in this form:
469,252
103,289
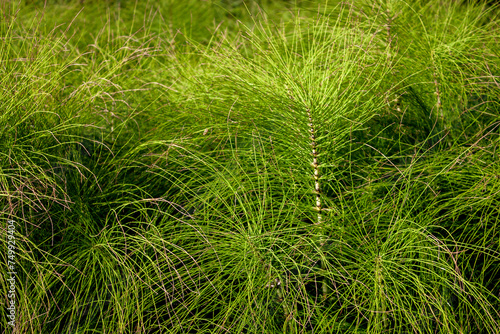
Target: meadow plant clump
251,167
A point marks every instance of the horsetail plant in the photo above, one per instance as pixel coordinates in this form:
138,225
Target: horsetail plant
278,167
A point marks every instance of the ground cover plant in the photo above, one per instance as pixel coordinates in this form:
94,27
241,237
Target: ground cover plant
232,166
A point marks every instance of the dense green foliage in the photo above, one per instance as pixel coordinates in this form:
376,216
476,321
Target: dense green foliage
231,166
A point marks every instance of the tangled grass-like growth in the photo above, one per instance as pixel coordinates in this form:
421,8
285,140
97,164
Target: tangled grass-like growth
261,167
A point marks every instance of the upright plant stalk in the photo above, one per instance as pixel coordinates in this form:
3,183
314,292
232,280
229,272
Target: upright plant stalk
390,51
438,96
317,191
437,92
315,166
381,317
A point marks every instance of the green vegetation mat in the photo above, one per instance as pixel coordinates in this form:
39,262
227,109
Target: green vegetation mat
230,166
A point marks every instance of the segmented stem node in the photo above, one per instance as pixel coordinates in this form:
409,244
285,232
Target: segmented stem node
438,95
317,188
315,166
